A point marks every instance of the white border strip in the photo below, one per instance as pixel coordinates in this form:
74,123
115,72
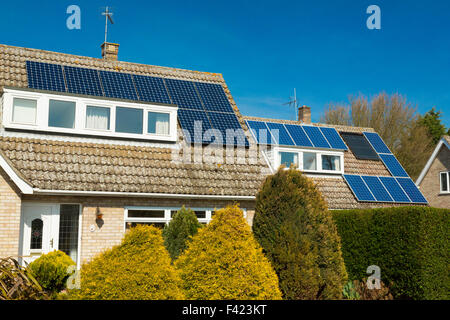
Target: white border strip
430,161
24,187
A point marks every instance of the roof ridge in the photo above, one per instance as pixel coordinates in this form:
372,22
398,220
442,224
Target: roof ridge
118,62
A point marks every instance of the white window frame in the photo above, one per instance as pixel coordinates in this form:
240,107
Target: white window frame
81,104
318,152
448,182
167,214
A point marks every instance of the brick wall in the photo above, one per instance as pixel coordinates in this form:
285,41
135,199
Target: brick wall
10,208
96,237
430,185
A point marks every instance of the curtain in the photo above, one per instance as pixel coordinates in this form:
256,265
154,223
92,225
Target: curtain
97,118
158,123
24,111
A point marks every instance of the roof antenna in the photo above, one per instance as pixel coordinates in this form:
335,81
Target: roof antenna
293,103
108,16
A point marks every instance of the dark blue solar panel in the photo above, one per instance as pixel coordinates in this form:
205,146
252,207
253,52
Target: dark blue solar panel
298,134
184,94
45,76
411,189
280,134
118,85
377,189
333,137
359,188
229,126
394,167
376,142
213,97
260,131
151,89
316,137
83,81
195,123
394,189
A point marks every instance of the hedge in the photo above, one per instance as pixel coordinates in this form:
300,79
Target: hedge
409,244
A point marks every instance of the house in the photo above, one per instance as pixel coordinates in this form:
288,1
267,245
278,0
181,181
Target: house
91,147
434,180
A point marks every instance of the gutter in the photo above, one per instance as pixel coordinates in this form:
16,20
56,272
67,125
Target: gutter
136,194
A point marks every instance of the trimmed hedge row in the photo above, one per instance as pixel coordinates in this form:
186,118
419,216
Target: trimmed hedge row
410,244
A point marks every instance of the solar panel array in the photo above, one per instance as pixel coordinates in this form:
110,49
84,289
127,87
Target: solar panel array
389,160
384,189
197,102
296,135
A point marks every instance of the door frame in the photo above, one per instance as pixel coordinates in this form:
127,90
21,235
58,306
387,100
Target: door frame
57,210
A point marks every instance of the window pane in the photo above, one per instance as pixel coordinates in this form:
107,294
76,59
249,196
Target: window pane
288,158
199,214
68,230
158,123
145,213
61,114
444,183
309,161
330,162
24,111
129,225
37,226
129,120
97,118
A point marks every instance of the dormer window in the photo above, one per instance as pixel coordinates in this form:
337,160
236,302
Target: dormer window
24,111
310,161
30,110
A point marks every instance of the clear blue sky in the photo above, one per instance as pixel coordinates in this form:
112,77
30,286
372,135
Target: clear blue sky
263,48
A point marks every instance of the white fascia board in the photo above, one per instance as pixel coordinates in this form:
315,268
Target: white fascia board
23,186
136,194
431,159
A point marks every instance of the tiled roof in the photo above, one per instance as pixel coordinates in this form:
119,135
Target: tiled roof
76,166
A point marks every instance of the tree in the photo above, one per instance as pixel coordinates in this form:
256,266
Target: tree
224,261
179,232
296,230
137,269
432,121
394,119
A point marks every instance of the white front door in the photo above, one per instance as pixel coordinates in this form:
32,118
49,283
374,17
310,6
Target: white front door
40,230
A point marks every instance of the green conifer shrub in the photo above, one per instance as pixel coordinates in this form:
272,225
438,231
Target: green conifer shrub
224,261
298,235
179,232
137,269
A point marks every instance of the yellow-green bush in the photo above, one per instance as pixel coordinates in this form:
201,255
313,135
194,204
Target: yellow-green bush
224,261
50,270
137,269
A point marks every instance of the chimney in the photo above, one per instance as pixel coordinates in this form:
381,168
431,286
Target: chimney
304,114
110,51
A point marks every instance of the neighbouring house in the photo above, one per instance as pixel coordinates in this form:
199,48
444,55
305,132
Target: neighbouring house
91,147
434,180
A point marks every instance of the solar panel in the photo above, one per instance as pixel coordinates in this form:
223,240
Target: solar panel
280,134
260,131
394,189
45,76
376,142
151,89
118,85
377,189
230,128
359,146
394,167
195,123
333,137
298,134
411,189
213,97
83,81
359,188
316,137
184,94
